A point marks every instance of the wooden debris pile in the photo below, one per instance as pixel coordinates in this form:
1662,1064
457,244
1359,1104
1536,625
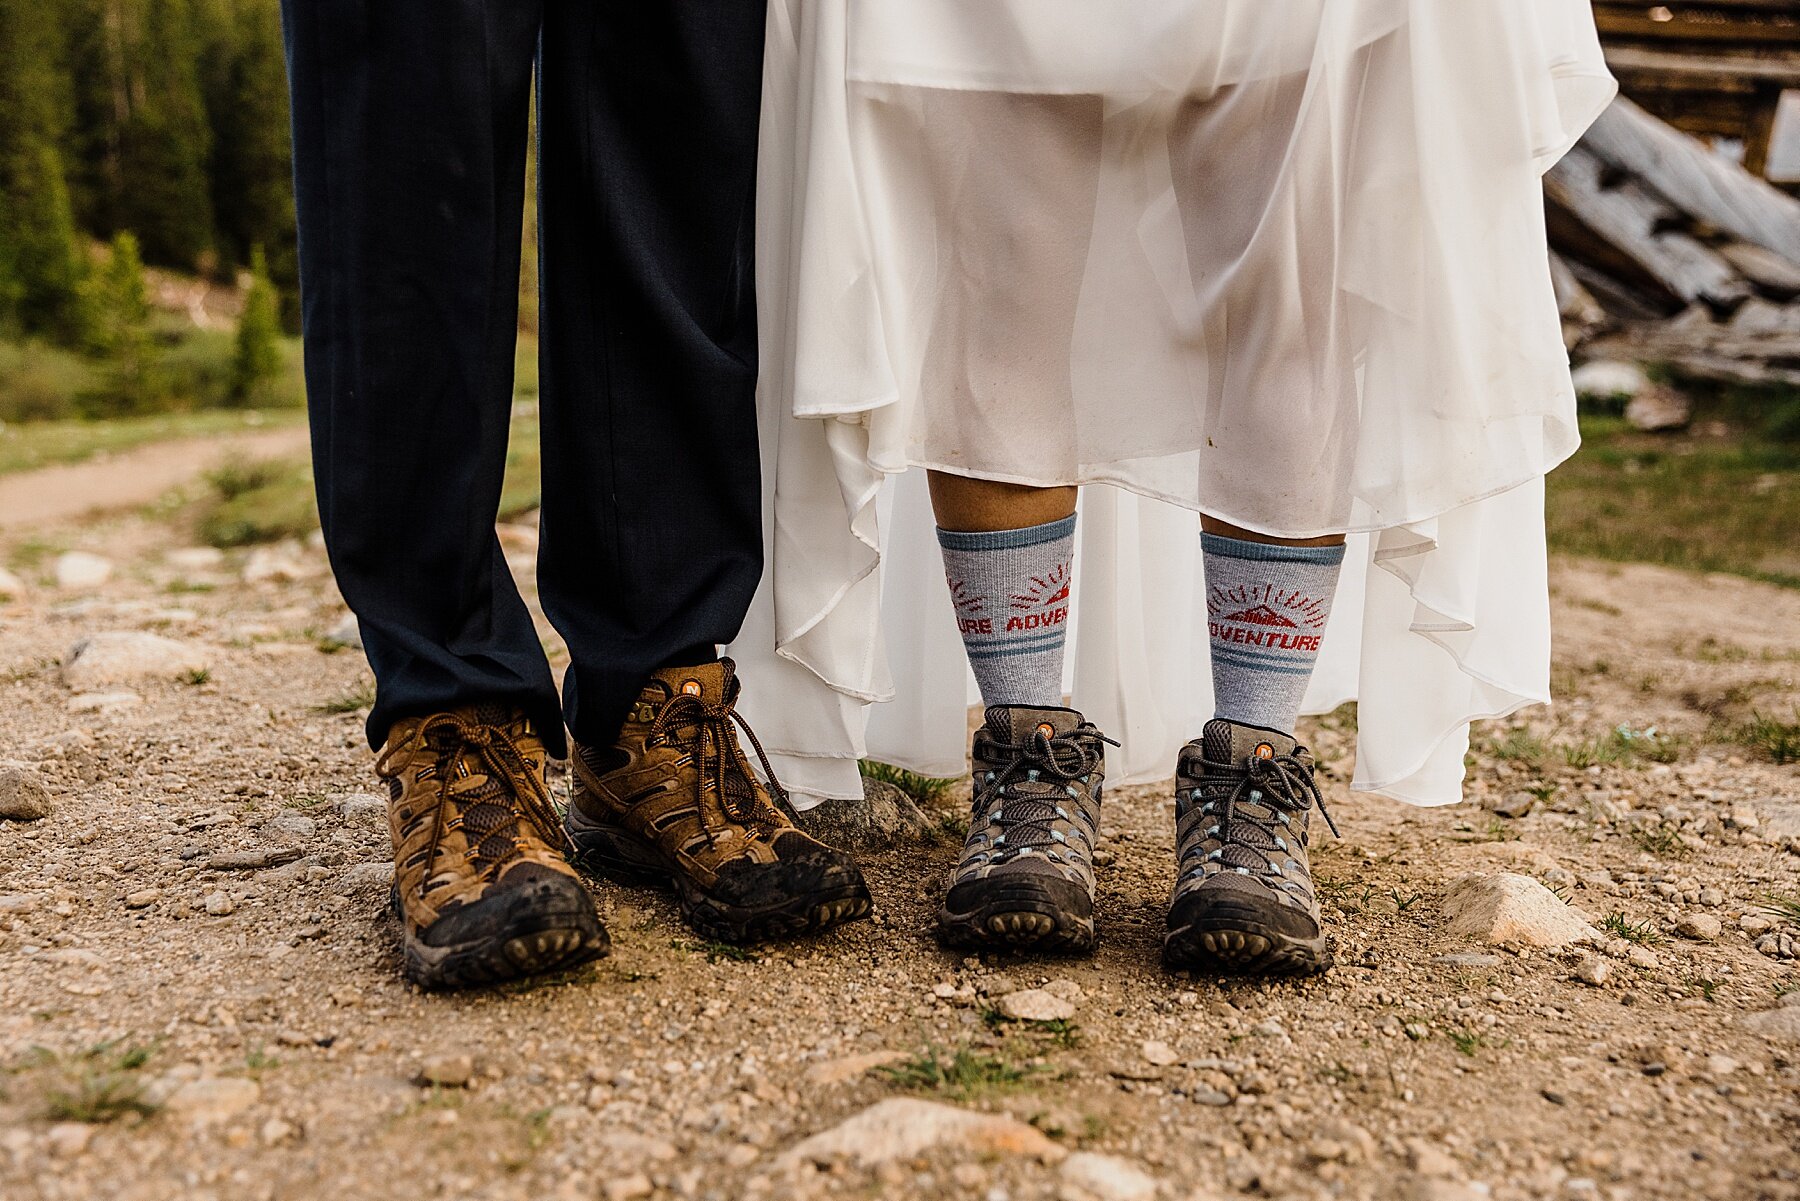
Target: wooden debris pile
1665,251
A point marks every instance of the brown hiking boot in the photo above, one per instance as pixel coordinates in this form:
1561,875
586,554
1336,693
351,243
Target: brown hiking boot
675,800
1244,903
481,884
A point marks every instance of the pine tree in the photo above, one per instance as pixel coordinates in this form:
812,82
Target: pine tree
258,356
251,167
164,140
119,313
40,253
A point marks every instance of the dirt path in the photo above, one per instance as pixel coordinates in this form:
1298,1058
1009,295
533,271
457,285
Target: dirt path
179,1023
135,477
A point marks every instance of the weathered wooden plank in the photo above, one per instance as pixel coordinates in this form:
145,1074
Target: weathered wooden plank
1634,229
1697,181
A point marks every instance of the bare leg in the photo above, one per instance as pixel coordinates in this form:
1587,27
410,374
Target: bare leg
977,506
1225,529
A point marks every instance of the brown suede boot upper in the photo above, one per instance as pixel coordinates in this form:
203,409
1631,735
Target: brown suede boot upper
678,779
469,809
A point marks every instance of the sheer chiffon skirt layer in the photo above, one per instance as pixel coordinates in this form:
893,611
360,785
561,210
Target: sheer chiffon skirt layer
1283,264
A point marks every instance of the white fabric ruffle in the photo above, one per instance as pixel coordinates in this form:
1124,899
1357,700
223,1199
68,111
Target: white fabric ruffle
1288,270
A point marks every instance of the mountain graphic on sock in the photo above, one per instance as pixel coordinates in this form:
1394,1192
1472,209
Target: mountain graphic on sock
1262,615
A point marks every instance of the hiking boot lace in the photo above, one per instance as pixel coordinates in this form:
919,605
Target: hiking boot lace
1283,784
704,730
1026,819
448,737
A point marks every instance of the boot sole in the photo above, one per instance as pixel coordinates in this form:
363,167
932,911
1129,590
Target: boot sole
621,856
1241,946
1018,915
550,938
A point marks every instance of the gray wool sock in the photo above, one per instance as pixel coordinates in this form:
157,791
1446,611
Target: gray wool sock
1266,608
1011,592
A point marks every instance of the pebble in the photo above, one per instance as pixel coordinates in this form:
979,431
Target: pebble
78,569
345,632
1702,927
100,702
220,904
1035,1005
627,1188
213,1099
281,563
1513,805
24,797
1755,923
445,1071
195,558
1467,959
1068,990
143,898
361,807
904,1128
127,656
276,1131
1159,1053
11,586
69,1139
1510,908
289,827
372,873
252,860
1593,971
1087,1176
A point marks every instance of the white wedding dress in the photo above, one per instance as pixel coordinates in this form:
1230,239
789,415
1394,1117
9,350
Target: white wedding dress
1283,263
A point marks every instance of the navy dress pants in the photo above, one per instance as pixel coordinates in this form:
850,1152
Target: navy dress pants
411,119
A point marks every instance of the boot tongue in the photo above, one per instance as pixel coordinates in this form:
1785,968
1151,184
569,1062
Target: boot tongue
711,682
1228,742
1017,723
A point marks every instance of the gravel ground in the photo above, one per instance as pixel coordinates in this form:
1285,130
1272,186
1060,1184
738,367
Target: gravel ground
200,992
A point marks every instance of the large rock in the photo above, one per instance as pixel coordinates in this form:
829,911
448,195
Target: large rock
1087,1176
23,794
884,817
1509,908
1035,1005
126,657
77,569
902,1128
1781,1025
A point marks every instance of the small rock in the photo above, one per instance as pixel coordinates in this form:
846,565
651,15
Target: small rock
101,702
1430,1161
127,656
1204,1094
24,797
275,1131
11,586
1593,971
1642,957
143,898
373,873
1514,805
77,569
1068,990
445,1071
1780,1025
1086,1176
903,1128
1659,409
364,807
1755,923
220,904
1468,959
1034,1005
1721,1065
627,1188
345,632
1510,908
885,817
288,828
1159,1053
1608,379
213,1099
1701,927
195,558
282,563
252,860
69,1139
850,1067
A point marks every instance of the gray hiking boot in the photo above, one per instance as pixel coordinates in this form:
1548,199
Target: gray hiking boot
1244,902
1026,878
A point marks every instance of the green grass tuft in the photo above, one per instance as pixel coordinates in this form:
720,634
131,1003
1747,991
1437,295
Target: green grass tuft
355,701
1642,933
923,789
1773,739
961,1076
